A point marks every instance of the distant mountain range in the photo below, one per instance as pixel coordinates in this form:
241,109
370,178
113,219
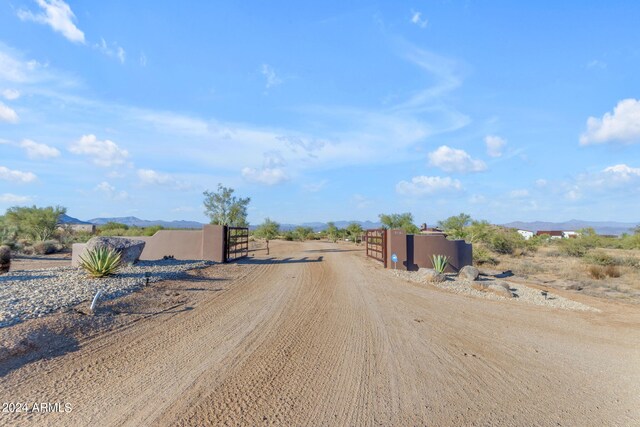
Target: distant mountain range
601,227
133,221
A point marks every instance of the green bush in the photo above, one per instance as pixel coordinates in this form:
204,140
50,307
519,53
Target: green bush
506,242
601,258
100,262
574,247
482,255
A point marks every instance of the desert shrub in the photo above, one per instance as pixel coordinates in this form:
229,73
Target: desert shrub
573,247
111,225
596,272
599,272
601,258
612,271
113,232
630,241
630,262
150,231
527,267
507,242
46,247
100,262
482,255
5,254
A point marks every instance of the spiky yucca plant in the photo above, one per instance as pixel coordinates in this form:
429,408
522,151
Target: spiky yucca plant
440,263
100,262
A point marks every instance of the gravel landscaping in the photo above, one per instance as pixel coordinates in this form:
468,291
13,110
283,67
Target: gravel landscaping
27,294
522,293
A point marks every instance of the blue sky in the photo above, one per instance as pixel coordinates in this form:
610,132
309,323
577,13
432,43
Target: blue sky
327,111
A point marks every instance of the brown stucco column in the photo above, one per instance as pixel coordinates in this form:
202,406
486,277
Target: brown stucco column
397,244
213,243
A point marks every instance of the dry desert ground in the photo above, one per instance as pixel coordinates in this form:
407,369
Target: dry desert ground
316,334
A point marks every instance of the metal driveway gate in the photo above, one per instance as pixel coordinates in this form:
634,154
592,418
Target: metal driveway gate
236,244
376,242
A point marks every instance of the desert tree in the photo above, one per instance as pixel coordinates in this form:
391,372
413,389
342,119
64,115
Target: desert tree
332,231
223,208
354,230
38,224
268,230
403,221
303,233
454,226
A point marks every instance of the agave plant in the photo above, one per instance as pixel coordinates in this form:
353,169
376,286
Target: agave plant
439,263
100,261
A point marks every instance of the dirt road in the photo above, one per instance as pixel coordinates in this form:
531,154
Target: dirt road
319,335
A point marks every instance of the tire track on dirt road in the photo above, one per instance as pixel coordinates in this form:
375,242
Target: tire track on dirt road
321,335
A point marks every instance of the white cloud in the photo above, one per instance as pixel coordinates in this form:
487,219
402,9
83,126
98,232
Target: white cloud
103,153
7,114
111,192
39,151
622,125
518,194
360,201
453,160
416,18
622,172
58,15
112,50
477,199
315,187
121,54
596,64
266,176
151,177
494,145
270,75
11,94
13,198
423,185
16,176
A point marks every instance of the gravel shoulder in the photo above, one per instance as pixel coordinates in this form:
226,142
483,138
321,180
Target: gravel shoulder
317,334
26,294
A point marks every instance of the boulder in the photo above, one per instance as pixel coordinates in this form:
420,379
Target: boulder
469,272
429,275
130,249
498,288
5,259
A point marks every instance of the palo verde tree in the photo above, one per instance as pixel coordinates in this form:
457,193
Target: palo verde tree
268,230
454,226
403,221
355,231
37,224
332,231
223,208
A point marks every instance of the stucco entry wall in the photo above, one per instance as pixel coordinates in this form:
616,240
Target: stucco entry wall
415,251
205,244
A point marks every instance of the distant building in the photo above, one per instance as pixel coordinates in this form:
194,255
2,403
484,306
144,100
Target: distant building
430,230
526,234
